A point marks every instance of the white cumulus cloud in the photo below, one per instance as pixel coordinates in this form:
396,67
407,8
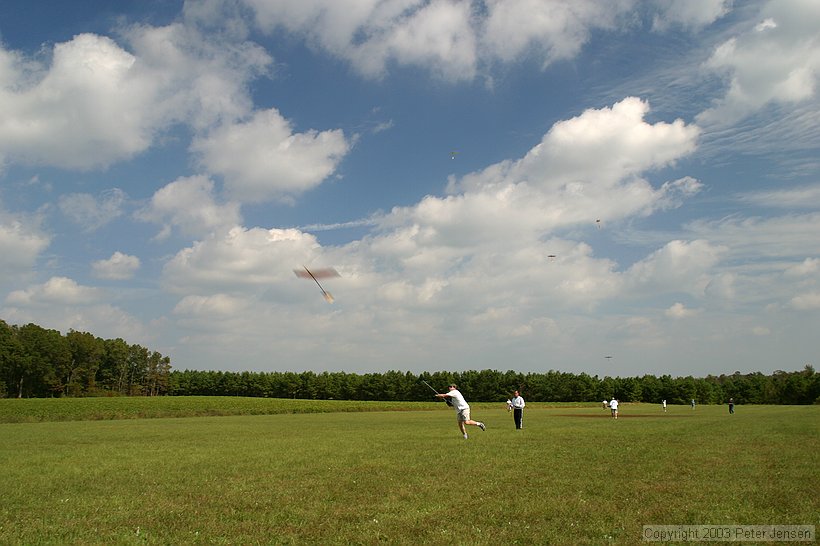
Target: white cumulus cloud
689,13
680,311
777,62
190,205
240,260
98,101
809,301
85,110
370,34
118,267
263,159
551,29
808,267
57,290
684,266
21,242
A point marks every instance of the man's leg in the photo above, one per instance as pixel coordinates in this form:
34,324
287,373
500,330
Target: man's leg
475,424
462,428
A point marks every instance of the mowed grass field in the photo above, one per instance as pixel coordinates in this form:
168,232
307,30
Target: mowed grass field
572,476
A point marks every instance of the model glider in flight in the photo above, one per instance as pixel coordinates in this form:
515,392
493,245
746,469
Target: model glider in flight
453,154
317,274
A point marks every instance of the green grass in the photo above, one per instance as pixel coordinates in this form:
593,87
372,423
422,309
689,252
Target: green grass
572,476
32,410
28,410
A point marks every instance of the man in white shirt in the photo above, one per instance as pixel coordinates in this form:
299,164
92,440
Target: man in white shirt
462,410
613,405
517,404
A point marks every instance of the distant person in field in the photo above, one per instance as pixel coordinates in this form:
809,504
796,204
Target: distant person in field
604,404
517,404
462,409
731,406
693,403
613,407
664,405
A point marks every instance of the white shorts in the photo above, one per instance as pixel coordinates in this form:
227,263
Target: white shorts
463,415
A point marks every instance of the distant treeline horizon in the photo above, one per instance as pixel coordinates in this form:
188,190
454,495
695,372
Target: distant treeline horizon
799,387
41,363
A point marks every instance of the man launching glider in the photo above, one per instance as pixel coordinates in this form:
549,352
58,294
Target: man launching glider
462,409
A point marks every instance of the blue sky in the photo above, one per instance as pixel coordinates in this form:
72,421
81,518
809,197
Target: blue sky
634,179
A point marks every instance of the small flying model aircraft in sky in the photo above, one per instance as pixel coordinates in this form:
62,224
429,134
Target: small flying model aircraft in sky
317,274
453,154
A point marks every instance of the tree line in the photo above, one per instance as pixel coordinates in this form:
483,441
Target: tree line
801,387
36,362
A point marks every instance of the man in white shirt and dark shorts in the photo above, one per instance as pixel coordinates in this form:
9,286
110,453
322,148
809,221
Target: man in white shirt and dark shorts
462,410
613,405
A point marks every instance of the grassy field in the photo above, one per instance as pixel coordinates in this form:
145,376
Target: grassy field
572,476
31,410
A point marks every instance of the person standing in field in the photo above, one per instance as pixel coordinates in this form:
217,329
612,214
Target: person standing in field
731,406
664,405
693,403
604,404
517,404
462,409
613,406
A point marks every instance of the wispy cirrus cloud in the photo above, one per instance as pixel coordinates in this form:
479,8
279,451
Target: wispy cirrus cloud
92,212
802,197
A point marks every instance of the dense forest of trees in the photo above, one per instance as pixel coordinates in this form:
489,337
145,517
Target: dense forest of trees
36,362
802,387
